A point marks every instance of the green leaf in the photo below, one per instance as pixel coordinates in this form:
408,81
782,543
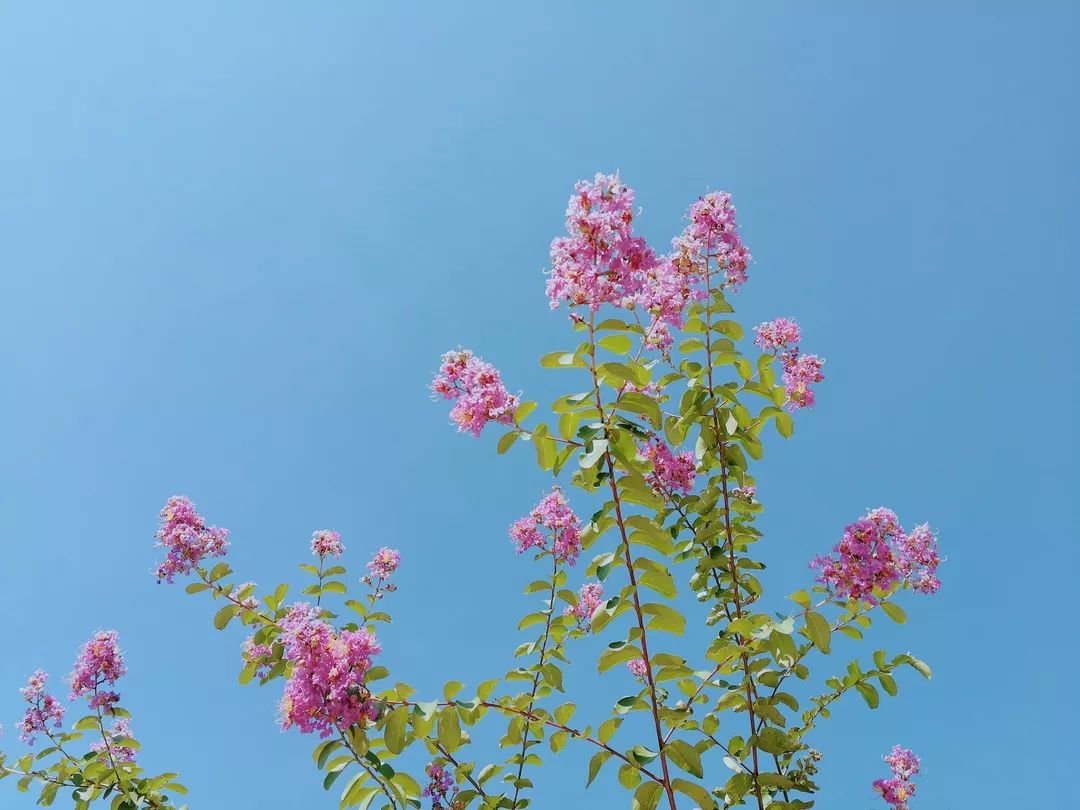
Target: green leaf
619,344
224,616
394,732
523,410
449,729
817,628
506,441
647,796
664,617
869,694
700,796
894,612
785,425
685,756
774,741
596,763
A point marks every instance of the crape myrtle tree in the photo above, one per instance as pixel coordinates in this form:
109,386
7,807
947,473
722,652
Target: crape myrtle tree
659,434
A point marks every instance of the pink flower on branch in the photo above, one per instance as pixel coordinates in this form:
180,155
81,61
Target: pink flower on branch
44,709
672,473
562,535
899,788
600,261
590,598
384,563
186,538
326,543
875,553
477,390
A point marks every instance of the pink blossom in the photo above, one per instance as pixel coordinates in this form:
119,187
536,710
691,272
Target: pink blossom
261,655
43,709
326,543
875,553
384,563
589,599
637,667
776,335
186,538
440,787
243,595
713,234
563,529
600,260
899,788
477,388
800,373
325,690
121,729
100,663
671,473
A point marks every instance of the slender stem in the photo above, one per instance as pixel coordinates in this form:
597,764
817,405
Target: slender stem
537,674
629,563
729,537
457,765
374,774
108,745
531,717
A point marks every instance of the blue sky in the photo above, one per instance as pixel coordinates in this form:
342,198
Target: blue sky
235,238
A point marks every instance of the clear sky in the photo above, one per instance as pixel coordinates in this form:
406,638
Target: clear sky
235,238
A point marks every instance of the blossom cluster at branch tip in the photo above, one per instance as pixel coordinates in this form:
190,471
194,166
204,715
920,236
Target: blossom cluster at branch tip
44,709
477,390
589,598
637,667
781,337
384,563
325,691
326,543
121,729
563,529
440,787
601,260
875,553
897,789
671,473
186,538
100,663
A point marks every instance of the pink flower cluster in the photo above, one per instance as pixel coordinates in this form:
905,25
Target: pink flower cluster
440,787
100,663
600,260
121,729
589,598
637,667
384,563
553,513
899,788
875,553
477,388
43,709
801,371
186,538
326,543
325,691
261,655
671,473
713,233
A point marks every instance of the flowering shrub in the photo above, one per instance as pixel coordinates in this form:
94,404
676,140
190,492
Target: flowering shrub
657,448
107,770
